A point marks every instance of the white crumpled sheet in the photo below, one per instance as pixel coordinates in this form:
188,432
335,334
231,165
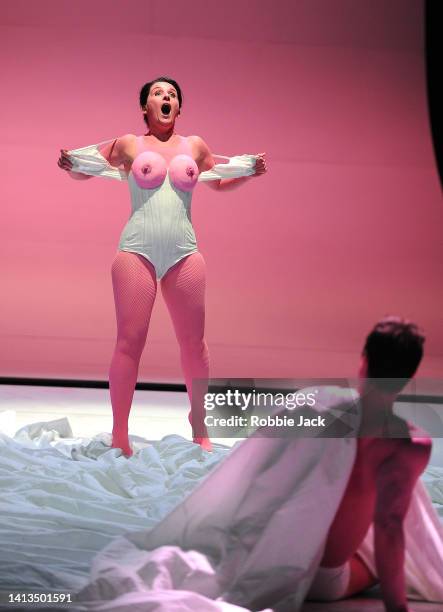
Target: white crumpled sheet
64,499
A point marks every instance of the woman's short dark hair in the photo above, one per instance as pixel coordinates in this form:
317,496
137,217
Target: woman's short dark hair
144,92
393,350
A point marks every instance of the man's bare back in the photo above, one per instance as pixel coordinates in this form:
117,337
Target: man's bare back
357,509
378,491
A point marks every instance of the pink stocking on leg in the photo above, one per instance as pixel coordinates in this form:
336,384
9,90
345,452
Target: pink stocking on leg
183,288
135,287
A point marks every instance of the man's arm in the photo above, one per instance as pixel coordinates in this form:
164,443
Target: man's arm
395,481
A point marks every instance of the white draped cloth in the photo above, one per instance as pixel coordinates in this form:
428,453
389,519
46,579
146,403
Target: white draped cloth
253,531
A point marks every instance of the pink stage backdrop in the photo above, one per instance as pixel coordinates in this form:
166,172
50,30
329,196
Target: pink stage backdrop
345,227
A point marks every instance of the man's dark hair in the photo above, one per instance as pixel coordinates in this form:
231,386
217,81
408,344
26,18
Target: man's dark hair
144,92
393,350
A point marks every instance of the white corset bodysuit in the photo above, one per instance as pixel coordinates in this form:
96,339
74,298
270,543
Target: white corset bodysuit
161,182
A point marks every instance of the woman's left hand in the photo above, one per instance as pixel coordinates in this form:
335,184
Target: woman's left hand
260,164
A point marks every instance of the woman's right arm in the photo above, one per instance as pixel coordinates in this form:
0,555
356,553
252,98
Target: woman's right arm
66,164
114,152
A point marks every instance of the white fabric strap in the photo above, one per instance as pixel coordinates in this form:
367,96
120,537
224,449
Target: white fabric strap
89,160
237,166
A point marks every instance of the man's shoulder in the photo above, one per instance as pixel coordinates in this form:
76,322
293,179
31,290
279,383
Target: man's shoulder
409,454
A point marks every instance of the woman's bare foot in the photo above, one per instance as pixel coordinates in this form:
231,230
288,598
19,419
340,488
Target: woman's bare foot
204,442
123,445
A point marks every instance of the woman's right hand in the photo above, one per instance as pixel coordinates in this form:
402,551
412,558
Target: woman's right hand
63,161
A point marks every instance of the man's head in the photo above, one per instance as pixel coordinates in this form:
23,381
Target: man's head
392,354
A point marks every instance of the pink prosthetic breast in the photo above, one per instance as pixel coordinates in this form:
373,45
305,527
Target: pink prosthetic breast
149,170
183,172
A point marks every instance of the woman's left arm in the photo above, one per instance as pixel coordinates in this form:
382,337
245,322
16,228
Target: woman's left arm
205,161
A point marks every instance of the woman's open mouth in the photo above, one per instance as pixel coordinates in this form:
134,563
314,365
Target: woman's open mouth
166,108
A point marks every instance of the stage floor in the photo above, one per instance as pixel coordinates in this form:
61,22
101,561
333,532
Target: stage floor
154,414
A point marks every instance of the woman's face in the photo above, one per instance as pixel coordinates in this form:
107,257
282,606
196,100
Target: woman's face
162,103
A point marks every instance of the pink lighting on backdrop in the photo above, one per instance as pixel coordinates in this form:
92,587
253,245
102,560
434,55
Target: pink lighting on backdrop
345,226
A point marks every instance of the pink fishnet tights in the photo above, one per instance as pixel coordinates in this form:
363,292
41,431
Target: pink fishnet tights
135,288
